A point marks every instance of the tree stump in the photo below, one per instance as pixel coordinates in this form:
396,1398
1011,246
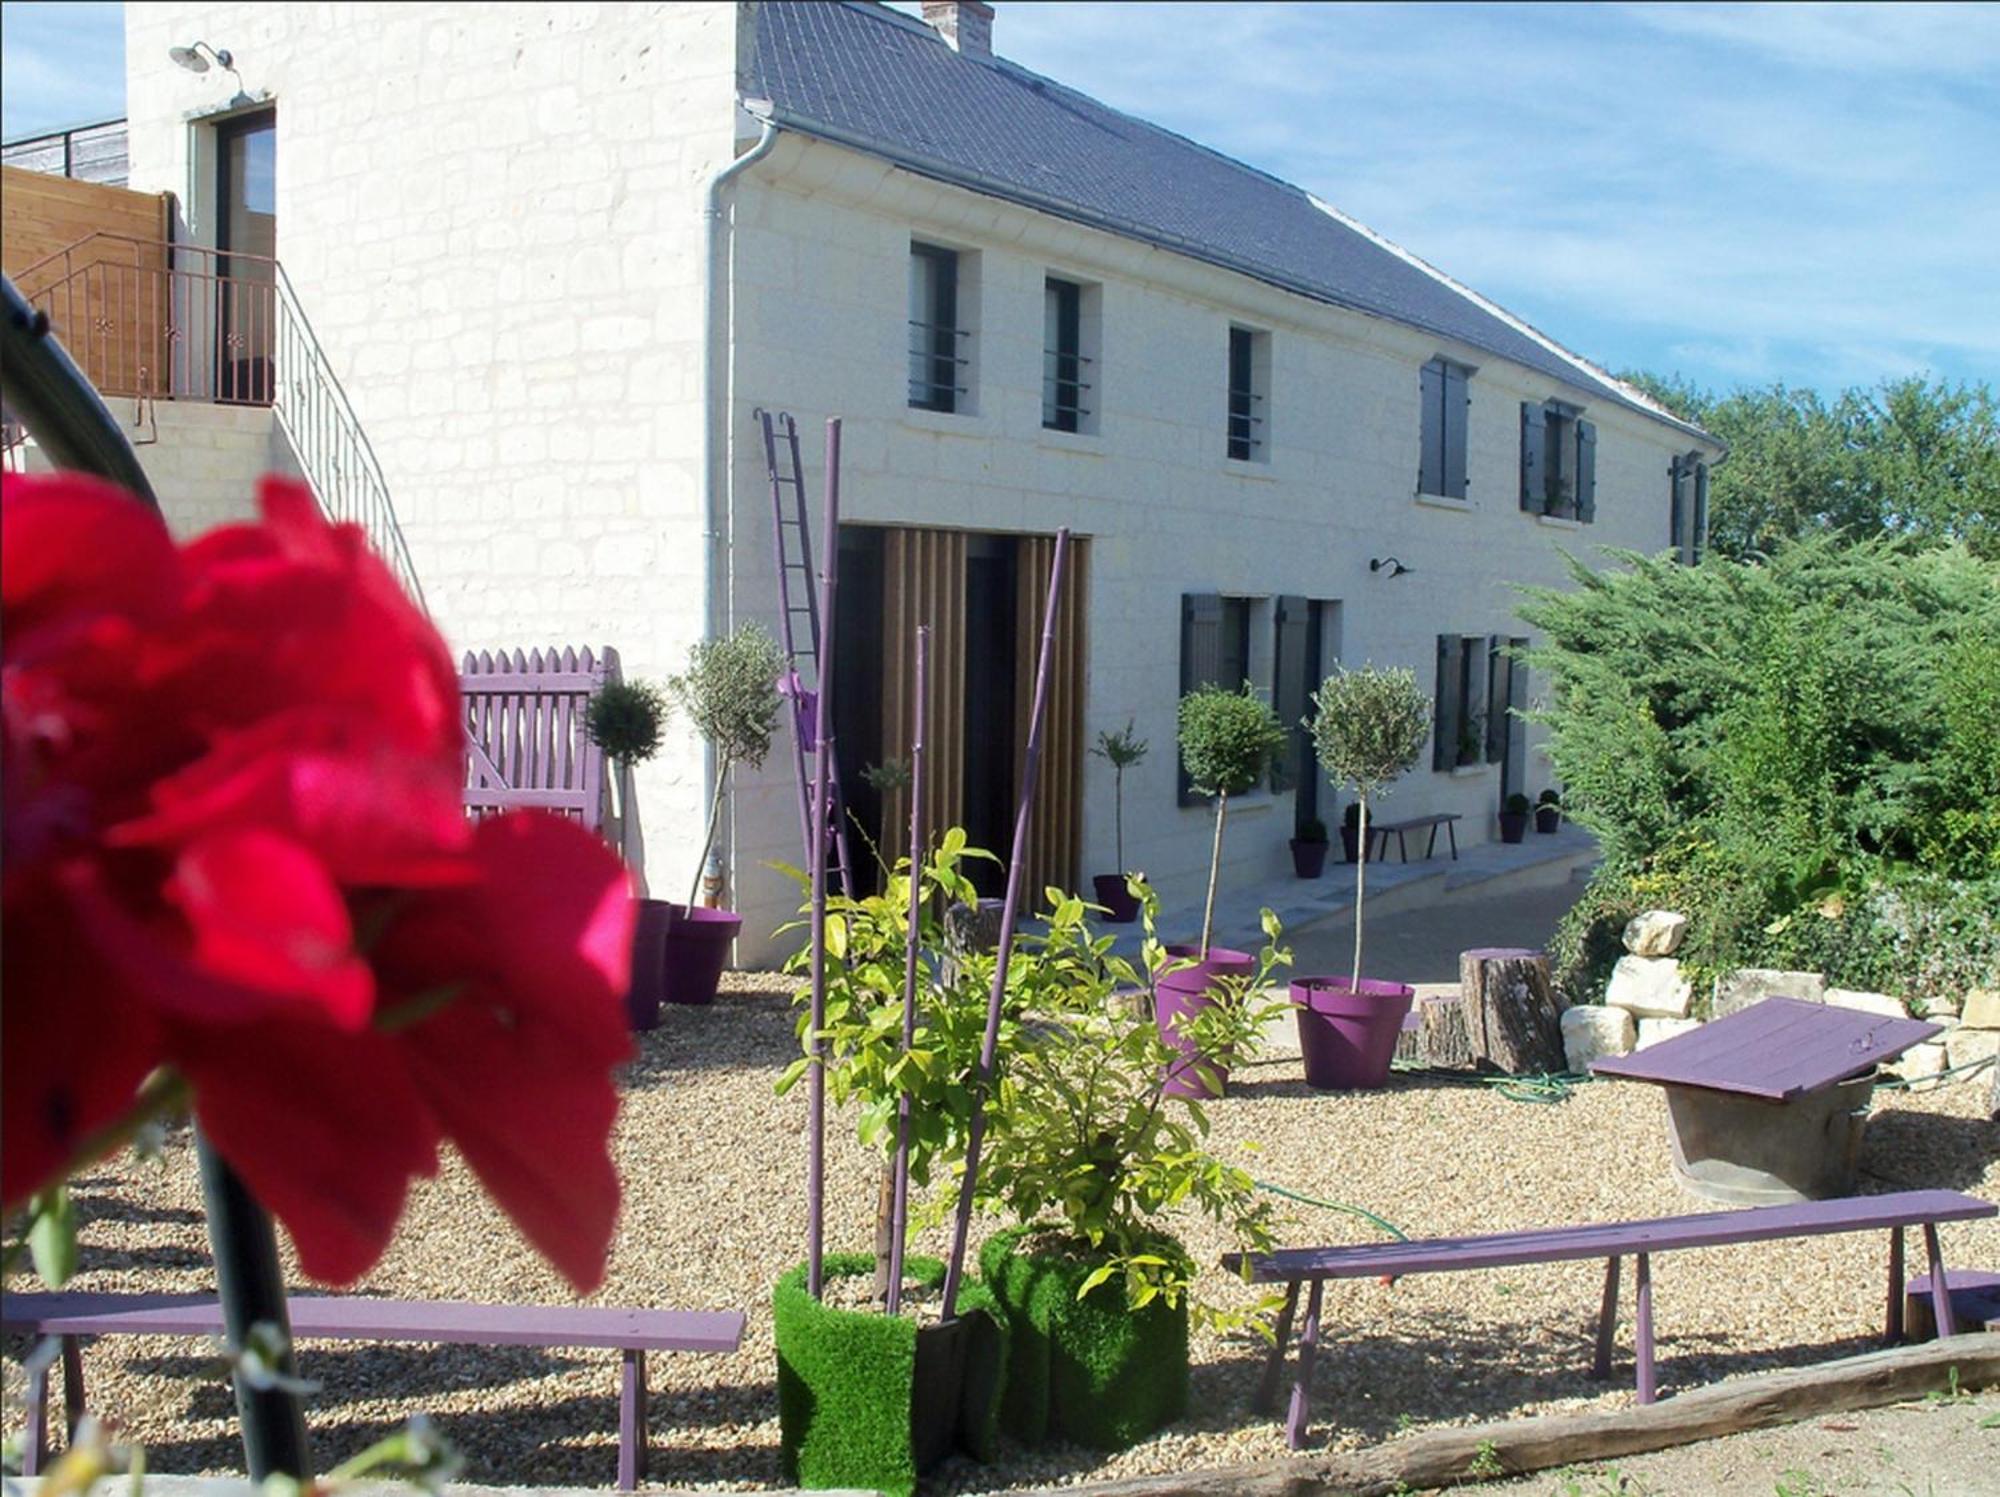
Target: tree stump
1439,1038
1512,1017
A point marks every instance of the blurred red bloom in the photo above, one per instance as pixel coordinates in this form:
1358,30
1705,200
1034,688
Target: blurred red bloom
233,847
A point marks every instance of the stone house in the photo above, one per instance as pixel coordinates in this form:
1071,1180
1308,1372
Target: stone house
558,256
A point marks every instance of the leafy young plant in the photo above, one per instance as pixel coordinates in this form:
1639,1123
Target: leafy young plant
1368,726
1121,750
1518,804
626,720
1312,831
1082,1136
1227,740
730,693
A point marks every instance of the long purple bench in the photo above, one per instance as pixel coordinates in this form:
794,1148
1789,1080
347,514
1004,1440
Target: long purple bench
1609,1241
68,1316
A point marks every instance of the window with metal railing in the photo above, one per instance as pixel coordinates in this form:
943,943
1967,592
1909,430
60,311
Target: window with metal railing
939,343
1249,380
1067,382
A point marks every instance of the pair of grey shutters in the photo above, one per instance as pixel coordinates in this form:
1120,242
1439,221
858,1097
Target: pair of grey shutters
1473,672
1441,466
1689,516
1542,492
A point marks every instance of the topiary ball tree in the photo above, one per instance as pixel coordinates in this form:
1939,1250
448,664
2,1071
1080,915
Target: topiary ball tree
1368,727
626,719
1122,751
1227,740
730,693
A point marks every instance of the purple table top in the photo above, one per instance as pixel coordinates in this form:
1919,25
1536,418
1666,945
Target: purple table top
1779,1049
355,1318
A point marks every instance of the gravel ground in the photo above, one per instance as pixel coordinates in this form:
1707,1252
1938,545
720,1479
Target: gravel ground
713,1165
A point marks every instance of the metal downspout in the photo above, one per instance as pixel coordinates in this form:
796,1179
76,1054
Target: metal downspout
715,416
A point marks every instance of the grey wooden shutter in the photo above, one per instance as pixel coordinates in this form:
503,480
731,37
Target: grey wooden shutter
1534,476
1499,694
1456,410
1450,681
1430,461
1289,686
1698,541
1586,471
1677,510
1201,661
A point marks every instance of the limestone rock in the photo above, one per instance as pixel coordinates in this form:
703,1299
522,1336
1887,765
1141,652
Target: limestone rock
1653,1031
1867,1003
1982,1009
1941,1007
1919,1062
1747,986
1650,986
1655,933
1590,1030
1962,1047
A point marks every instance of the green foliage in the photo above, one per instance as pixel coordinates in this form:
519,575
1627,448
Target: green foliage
1369,725
730,693
845,1380
1084,1367
1549,797
1756,744
1227,739
625,719
1122,749
889,776
1313,830
1518,804
1081,1134
1909,457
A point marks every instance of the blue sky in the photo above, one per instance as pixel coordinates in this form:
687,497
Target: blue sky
1739,193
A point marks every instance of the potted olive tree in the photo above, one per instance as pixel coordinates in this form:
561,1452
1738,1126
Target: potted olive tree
729,692
1514,818
625,720
1122,751
1088,1148
1309,849
1368,726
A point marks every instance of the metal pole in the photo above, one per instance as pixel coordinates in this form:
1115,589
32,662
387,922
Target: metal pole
899,1209
70,421
823,751
1016,864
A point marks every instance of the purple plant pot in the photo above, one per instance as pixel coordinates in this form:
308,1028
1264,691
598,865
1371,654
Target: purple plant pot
649,961
697,950
1513,825
1308,858
1120,908
1347,1035
1186,993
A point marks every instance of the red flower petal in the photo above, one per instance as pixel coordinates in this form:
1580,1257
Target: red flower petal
72,546
265,916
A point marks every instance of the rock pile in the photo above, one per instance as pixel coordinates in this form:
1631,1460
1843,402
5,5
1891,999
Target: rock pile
1647,1000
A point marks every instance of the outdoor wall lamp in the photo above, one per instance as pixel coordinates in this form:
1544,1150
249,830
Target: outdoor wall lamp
191,58
1395,568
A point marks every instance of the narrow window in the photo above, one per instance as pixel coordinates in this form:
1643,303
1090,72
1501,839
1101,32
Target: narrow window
937,363
1462,702
1441,467
1249,374
1215,651
1558,461
1065,382
1688,507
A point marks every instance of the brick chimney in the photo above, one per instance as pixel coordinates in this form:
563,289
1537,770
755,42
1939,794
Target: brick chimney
966,24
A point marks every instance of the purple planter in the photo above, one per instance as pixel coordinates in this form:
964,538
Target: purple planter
1548,818
649,962
1513,825
1120,908
1186,993
1347,1035
697,949
1308,858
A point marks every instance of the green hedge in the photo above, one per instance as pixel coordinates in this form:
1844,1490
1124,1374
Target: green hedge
845,1380
1087,1370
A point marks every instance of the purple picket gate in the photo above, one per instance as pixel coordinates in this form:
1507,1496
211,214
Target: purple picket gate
525,743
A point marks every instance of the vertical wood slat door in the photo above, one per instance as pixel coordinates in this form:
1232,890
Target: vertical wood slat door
923,582
1055,830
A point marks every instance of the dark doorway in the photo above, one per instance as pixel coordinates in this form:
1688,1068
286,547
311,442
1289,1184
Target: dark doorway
246,286
990,726
857,696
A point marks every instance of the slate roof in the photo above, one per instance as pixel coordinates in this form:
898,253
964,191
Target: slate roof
882,82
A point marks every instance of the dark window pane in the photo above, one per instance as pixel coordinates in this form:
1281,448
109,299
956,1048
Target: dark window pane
1063,381
1243,395
935,360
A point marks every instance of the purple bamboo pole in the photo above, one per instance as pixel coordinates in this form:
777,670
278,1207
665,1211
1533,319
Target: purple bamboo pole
899,1206
822,758
1030,772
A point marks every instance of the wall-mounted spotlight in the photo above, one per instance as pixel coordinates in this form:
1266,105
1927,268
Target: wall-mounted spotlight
191,58
1389,563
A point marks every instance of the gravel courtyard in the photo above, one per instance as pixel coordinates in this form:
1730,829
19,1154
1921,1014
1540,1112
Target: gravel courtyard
714,1173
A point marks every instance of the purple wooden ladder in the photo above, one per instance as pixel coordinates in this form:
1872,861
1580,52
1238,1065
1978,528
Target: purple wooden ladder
792,538
525,742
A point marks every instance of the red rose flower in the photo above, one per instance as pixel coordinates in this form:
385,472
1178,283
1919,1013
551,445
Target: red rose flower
234,849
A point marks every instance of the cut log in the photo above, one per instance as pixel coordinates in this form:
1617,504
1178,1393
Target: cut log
1513,1019
1439,1458
1440,1038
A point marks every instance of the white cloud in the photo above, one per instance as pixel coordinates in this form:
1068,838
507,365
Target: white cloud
60,65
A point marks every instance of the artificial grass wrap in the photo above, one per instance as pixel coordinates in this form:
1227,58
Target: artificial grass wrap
1089,1370
846,1380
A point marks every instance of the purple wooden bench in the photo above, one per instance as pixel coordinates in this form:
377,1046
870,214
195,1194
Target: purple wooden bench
1606,1240
633,1333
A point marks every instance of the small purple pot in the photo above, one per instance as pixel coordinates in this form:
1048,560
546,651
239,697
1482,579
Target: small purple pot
1308,858
1187,992
1120,908
649,960
697,949
1347,1035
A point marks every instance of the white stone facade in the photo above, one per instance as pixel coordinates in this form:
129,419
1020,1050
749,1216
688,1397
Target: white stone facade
493,217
